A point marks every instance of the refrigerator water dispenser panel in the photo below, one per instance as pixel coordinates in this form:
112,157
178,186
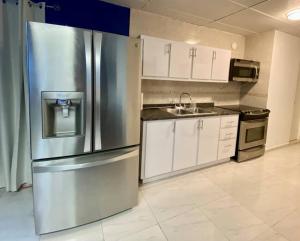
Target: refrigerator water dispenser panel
63,114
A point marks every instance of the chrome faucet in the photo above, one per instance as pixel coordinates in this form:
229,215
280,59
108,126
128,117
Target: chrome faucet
187,94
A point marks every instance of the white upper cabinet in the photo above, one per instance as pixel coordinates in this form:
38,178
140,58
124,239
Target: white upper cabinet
156,54
208,139
185,146
202,63
180,60
171,60
220,65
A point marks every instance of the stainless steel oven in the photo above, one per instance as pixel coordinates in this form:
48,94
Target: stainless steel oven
244,70
253,126
253,133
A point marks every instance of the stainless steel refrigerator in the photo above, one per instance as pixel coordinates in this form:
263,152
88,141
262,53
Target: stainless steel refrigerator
84,104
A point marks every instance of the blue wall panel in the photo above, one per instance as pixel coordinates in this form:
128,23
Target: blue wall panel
90,14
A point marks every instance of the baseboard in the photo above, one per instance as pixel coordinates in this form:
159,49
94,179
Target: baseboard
283,145
184,171
295,141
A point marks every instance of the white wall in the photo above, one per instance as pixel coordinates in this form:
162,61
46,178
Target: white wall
282,88
164,27
295,130
259,47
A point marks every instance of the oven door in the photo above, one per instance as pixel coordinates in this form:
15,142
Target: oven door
253,133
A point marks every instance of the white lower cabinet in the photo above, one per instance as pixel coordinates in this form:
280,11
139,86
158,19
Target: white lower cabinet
208,140
158,147
228,136
185,146
170,146
226,149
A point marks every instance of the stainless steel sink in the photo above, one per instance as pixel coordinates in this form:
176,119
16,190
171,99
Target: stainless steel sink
203,111
176,111
189,111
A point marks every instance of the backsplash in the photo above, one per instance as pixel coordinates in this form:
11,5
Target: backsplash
162,91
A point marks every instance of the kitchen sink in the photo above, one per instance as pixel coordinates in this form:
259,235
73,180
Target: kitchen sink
176,111
203,111
189,111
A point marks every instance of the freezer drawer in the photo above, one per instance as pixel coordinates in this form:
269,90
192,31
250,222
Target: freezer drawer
75,191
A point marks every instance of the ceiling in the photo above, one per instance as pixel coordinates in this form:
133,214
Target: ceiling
238,16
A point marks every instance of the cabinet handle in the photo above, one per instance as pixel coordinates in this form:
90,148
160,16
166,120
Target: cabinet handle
174,127
214,55
167,48
195,52
191,52
201,124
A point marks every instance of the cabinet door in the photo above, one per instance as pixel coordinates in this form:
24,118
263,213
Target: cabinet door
202,63
156,53
185,146
208,140
220,66
226,149
180,60
158,147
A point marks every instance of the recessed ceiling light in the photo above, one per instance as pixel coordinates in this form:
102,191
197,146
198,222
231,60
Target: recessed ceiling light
191,41
294,15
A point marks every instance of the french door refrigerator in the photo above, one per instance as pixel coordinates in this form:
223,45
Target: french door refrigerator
84,108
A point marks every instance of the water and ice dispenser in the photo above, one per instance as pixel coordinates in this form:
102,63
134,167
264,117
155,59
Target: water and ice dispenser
63,114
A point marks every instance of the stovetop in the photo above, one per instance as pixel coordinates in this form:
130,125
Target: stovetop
248,112
242,108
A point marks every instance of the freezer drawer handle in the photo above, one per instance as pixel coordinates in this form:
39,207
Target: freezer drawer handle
74,166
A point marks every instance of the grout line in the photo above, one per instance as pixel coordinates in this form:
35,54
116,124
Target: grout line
253,214
282,218
102,231
157,222
213,223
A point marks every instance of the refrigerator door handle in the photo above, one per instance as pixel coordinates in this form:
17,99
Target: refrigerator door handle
88,98
97,74
71,165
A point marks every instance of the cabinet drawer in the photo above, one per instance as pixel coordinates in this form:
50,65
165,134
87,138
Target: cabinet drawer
229,121
228,133
226,149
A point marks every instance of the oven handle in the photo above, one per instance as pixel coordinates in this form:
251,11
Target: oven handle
255,120
245,124
258,114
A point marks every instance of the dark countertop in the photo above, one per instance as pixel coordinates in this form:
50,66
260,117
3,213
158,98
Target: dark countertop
156,112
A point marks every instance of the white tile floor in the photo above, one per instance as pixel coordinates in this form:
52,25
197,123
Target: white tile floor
257,200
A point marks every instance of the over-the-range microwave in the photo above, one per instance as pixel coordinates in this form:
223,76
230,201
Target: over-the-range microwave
244,70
